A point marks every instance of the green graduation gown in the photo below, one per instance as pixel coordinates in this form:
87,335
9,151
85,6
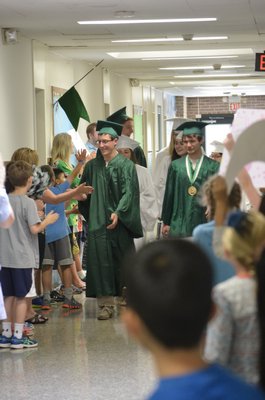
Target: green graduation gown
180,210
116,190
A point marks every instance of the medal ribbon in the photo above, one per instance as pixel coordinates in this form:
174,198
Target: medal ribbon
193,174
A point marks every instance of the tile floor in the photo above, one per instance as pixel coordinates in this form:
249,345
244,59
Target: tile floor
78,357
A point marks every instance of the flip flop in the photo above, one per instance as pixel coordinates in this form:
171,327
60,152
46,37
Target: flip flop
37,319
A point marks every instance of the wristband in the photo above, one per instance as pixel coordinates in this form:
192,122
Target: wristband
81,162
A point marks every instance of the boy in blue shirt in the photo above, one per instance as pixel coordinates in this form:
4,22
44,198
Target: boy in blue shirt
58,248
169,304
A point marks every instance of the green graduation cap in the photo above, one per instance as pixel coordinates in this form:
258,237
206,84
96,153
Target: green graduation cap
119,116
192,128
108,124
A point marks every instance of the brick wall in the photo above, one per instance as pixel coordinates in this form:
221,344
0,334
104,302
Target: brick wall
179,106
215,105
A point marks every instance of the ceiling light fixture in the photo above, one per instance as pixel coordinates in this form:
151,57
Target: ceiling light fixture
181,53
202,67
170,39
222,87
148,40
210,38
145,21
214,76
187,58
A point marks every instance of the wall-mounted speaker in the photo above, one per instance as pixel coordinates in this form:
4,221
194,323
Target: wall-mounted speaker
9,36
134,82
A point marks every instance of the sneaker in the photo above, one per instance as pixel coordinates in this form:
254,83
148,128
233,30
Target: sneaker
122,302
56,296
71,304
46,305
105,312
24,342
5,341
28,325
37,302
28,329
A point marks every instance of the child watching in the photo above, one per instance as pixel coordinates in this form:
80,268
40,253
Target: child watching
169,303
233,335
19,255
58,248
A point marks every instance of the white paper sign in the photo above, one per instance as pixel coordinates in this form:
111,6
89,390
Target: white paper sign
248,130
76,139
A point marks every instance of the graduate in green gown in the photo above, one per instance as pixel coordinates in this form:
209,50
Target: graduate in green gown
181,211
122,118
113,216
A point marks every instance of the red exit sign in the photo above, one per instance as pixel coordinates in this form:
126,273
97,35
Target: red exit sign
260,62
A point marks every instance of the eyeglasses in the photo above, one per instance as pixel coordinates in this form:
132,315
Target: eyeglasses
104,141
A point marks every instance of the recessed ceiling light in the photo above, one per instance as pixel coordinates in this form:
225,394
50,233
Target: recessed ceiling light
187,58
170,39
221,87
181,53
148,40
210,38
201,67
145,21
214,76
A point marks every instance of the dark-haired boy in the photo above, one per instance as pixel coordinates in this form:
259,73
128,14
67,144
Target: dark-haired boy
169,303
19,255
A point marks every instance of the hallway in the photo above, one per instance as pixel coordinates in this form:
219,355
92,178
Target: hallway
78,357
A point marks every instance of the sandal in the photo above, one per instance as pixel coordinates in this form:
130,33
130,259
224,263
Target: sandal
37,319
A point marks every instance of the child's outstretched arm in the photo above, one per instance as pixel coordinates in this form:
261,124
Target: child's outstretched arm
244,177
50,197
219,190
48,220
81,158
6,213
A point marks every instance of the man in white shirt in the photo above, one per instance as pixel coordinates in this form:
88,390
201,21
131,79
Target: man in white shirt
92,137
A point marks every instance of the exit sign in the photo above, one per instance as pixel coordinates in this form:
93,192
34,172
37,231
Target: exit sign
260,62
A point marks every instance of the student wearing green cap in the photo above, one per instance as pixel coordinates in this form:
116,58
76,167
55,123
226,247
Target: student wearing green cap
127,122
113,217
181,211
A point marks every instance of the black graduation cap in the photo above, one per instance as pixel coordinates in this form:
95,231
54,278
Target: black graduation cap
192,128
108,124
119,116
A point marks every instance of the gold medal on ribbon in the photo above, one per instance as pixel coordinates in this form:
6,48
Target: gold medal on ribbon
192,191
